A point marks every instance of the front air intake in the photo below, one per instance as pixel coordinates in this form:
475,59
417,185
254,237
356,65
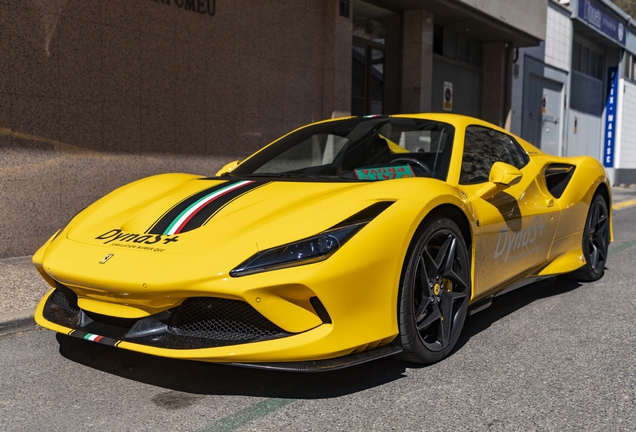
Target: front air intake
220,319
61,307
65,298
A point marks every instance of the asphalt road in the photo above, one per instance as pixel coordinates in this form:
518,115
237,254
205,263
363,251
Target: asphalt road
555,355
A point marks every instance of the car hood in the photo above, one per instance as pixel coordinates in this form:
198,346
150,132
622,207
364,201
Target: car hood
125,244
203,215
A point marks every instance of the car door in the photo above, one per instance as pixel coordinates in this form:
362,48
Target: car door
517,224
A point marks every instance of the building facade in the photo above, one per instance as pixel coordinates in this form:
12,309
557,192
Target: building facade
574,93
95,94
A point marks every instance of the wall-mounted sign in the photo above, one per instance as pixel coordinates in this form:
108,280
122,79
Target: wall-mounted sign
601,18
610,118
448,96
544,104
576,124
203,7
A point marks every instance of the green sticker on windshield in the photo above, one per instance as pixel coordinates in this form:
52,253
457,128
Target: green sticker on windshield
385,173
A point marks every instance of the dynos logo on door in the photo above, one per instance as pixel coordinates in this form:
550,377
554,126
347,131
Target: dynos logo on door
516,242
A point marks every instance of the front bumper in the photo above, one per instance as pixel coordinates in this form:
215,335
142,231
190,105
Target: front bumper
208,329
199,322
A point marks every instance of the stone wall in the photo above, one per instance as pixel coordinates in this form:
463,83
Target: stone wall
95,94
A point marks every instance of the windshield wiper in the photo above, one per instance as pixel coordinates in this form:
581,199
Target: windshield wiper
276,175
286,175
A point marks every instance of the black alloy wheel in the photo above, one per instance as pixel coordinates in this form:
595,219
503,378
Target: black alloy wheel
595,241
434,294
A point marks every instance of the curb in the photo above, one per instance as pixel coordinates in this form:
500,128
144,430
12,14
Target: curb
16,322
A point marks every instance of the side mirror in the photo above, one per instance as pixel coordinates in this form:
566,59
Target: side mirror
502,176
228,168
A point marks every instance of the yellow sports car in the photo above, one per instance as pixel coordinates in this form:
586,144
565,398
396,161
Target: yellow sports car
344,241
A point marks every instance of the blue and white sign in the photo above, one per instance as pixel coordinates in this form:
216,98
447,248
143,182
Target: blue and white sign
600,17
610,118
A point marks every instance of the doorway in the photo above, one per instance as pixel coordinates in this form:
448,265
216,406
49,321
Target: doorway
367,80
543,106
376,62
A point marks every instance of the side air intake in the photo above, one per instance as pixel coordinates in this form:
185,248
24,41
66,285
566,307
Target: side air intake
557,177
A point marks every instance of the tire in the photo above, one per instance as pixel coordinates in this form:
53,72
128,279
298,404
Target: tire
595,241
434,292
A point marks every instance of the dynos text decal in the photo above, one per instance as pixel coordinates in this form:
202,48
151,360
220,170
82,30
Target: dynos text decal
517,244
149,242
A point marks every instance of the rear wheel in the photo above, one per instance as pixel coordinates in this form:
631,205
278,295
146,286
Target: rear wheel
595,241
434,293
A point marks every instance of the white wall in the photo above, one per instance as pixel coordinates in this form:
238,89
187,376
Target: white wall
626,154
525,15
558,40
555,52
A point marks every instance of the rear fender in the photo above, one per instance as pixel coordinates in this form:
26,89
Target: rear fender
589,175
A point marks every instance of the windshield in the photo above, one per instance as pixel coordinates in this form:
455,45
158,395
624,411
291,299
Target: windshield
358,149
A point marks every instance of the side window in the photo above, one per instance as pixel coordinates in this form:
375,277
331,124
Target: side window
482,148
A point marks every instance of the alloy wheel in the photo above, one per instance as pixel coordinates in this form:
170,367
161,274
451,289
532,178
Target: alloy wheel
440,290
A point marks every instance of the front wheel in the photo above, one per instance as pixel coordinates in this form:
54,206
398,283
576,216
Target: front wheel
595,241
434,293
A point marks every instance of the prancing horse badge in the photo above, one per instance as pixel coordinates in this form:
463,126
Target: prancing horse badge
106,258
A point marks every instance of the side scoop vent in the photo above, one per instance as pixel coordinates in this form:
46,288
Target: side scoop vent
557,177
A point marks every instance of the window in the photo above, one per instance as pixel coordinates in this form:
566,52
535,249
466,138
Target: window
630,66
367,77
316,150
367,80
452,45
576,56
367,28
338,149
449,44
587,60
482,148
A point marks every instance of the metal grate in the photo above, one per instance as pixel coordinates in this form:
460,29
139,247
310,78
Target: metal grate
220,319
65,298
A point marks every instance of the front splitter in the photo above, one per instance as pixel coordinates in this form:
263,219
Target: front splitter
328,364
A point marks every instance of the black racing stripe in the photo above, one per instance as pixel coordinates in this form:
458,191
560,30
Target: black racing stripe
205,214
166,219
256,186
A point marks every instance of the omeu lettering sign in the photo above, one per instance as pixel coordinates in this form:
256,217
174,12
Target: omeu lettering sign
203,7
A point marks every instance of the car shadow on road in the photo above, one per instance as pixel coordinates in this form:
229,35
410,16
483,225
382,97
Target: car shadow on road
510,302
213,379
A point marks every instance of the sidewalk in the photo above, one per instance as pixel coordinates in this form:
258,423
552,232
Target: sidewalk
21,286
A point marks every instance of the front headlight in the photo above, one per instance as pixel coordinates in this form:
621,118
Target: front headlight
306,251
